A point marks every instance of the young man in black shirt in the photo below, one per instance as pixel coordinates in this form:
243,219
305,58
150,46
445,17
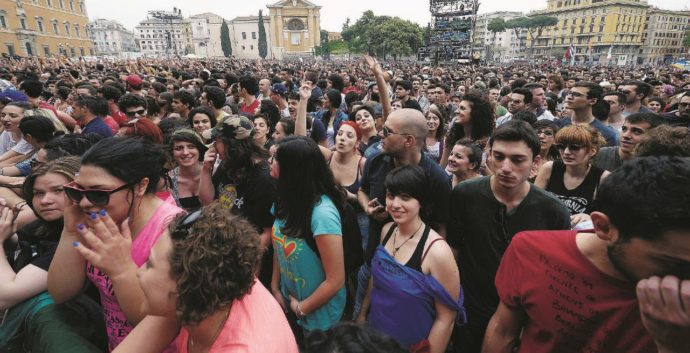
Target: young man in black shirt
486,212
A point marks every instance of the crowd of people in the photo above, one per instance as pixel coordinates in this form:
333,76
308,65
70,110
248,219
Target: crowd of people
188,205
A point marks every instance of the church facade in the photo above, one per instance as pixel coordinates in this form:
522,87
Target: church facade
295,28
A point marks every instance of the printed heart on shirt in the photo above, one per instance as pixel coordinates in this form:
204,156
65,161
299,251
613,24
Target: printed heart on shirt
289,248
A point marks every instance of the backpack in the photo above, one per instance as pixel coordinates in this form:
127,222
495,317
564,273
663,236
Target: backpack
352,253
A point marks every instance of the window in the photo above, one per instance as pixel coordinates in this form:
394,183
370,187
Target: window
81,9
3,24
46,50
76,30
72,52
22,22
71,8
10,49
50,3
67,28
40,25
251,47
55,27
81,51
244,35
62,4
253,35
243,47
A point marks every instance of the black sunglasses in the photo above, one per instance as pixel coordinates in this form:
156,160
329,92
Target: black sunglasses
97,197
571,147
133,113
387,131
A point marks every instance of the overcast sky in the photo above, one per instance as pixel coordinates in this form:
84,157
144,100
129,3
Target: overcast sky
333,12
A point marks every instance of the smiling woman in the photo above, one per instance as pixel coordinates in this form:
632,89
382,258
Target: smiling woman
110,227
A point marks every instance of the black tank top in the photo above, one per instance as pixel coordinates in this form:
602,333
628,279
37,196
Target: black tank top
415,262
580,199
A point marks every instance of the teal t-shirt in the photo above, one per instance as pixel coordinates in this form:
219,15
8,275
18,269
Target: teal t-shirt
301,271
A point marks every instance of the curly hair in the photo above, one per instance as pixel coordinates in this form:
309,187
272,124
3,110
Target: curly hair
481,118
214,261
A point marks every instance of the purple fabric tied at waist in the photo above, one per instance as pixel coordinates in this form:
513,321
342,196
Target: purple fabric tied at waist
402,300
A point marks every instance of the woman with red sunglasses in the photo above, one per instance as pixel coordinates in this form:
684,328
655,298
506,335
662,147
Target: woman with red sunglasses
573,178
110,228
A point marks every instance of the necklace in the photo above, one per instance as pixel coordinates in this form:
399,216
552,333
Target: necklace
218,330
395,249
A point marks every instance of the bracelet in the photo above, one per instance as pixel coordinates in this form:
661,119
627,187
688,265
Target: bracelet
299,312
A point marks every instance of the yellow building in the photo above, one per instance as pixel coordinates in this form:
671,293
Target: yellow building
44,27
594,28
295,28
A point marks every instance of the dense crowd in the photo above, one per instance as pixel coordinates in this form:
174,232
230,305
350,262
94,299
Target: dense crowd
179,205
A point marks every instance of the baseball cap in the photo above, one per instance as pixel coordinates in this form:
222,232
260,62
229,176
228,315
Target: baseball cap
279,88
134,80
11,95
236,127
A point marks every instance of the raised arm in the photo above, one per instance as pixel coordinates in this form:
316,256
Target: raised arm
67,272
381,84
301,118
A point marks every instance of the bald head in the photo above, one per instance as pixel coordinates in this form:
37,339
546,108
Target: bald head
410,121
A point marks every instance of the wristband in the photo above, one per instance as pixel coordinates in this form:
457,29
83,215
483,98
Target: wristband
299,312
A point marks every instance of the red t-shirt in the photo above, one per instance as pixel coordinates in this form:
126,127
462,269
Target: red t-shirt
571,306
251,109
112,124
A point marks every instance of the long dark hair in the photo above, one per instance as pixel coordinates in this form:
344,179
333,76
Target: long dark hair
241,158
481,118
304,177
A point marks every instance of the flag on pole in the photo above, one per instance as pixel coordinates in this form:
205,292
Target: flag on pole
569,53
609,55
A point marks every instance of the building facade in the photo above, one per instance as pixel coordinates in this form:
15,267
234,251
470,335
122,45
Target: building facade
295,28
663,36
111,38
165,33
206,35
595,28
44,27
244,36
502,47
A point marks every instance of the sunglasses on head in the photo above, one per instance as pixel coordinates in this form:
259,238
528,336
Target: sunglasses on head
135,112
96,197
186,223
570,146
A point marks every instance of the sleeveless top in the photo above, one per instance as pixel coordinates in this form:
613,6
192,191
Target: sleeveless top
191,203
116,322
397,286
579,199
415,262
354,187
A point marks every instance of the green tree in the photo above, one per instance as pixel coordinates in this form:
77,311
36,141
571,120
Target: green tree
263,46
517,25
535,26
495,26
383,35
225,44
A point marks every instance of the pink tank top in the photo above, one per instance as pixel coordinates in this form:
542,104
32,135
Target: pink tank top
116,323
